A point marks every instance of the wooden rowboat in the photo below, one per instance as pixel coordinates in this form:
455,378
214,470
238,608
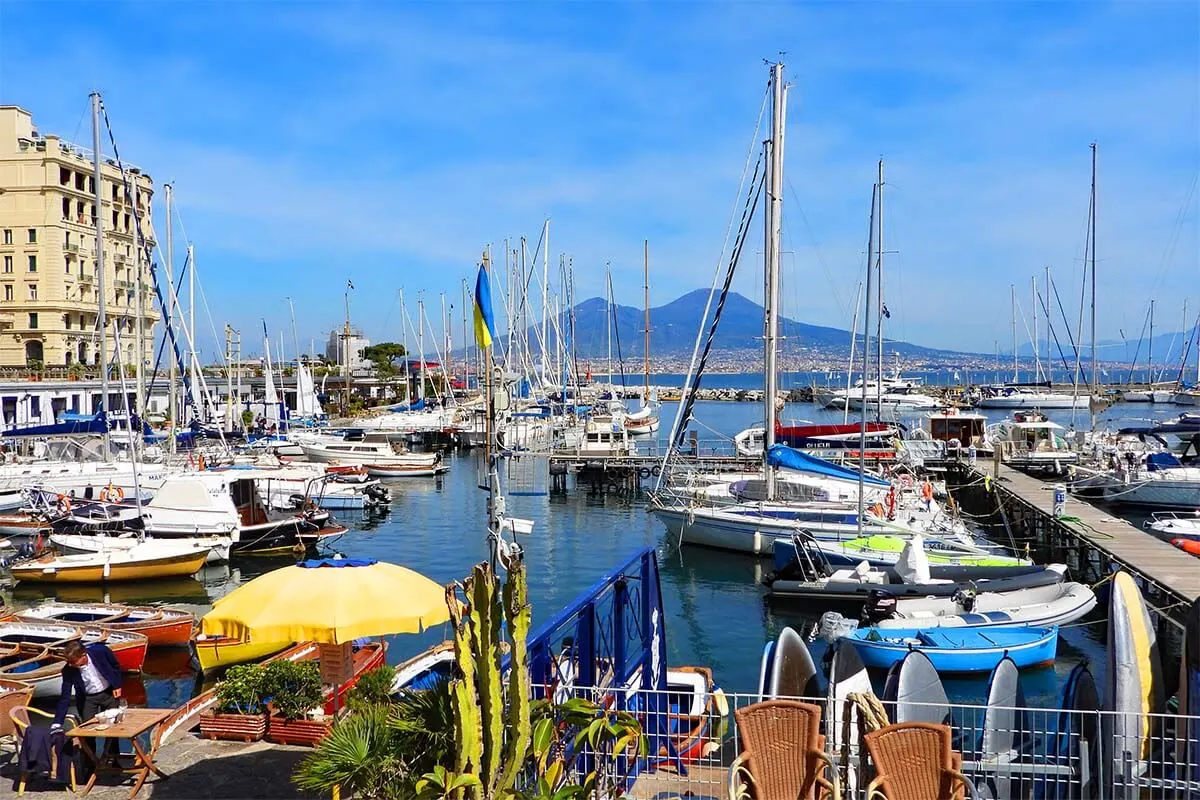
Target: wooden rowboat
113,565
366,658
164,627
35,665
129,647
218,652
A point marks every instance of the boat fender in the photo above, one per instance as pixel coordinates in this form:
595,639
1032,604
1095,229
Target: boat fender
64,504
656,470
644,472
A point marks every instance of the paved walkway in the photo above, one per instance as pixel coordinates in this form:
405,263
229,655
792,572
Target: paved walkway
199,769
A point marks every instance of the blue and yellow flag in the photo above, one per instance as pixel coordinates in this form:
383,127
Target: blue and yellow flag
483,310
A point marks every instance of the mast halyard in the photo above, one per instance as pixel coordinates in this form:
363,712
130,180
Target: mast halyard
771,219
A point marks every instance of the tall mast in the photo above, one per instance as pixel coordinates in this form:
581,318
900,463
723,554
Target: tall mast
421,344
1150,352
140,337
1093,223
102,319
1012,290
191,328
1049,329
466,340
879,294
172,376
866,361
1037,350
346,354
646,300
771,225
545,301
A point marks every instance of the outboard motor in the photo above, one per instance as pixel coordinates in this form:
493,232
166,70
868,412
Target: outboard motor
880,605
965,599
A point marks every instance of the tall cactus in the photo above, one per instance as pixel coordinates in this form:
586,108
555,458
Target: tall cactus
492,733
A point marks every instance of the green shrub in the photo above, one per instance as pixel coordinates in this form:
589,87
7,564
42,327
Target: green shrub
293,687
374,688
241,690
360,756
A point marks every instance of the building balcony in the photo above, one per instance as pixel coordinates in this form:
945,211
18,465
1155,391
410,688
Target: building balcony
71,249
119,258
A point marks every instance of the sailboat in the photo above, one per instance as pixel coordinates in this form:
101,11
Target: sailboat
644,421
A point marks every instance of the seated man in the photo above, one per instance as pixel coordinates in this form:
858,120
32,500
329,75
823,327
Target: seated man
93,677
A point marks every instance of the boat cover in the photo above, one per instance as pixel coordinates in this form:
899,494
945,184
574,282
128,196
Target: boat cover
781,455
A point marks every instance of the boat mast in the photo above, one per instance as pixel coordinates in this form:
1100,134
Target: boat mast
1012,291
1150,351
1049,330
879,294
646,300
771,228
1093,232
102,319
140,338
866,362
421,345
545,302
191,329
172,376
1037,350
346,354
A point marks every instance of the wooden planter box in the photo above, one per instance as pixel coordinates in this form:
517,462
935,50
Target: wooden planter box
305,732
233,727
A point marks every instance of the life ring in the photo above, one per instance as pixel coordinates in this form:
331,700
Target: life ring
644,472
656,470
112,494
64,504
906,481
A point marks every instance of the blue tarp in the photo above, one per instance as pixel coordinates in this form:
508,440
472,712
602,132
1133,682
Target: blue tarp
87,426
783,456
1156,461
417,406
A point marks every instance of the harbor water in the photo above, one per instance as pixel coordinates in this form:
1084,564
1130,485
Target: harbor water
716,614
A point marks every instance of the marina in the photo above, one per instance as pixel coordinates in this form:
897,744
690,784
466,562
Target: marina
502,536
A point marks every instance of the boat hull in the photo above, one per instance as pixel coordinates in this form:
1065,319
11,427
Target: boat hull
959,651
63,571
219,652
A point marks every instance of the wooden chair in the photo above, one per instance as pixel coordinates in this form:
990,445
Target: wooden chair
21,721
12,695
914,761
783,754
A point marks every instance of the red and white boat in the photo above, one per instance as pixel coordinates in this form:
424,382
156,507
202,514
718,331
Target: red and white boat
128,646
164,627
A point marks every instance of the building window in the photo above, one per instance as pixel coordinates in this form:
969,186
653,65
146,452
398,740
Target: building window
8,263
64,176
33,263
8,292
66,208
79,209
91,184
33,291
67,263
33,235
67,321
33,321
116,193
8,235
35,407
80,179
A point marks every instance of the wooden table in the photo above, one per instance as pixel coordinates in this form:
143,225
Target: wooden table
136,722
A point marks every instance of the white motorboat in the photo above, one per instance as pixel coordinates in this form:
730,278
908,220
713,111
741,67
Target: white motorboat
1158,479
1040,606
1030,441
1171,525
1017,397
364,451
896,398
218,547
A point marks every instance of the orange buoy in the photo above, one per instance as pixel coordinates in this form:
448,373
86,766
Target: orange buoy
1187,545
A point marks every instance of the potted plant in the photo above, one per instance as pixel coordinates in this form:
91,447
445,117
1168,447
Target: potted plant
297,703
74,371
240,715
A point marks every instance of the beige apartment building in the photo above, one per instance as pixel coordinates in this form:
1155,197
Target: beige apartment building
49,299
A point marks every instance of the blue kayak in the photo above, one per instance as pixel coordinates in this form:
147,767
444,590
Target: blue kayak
957,649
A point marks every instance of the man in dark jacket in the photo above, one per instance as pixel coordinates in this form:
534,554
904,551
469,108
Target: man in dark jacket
93,677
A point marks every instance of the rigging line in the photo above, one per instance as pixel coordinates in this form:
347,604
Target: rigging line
1138,351
754,146
1045,304
837,295
1176,231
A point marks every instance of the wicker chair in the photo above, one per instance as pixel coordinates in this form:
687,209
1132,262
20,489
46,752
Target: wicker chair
12,695
914,761
21,720
783,754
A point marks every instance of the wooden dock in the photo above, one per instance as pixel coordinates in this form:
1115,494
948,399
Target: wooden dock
1160,566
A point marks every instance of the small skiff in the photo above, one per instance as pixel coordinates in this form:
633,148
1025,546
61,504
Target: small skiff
163,627
959,650
135,564
218,547
406,470
218,652
129,647
35,665
1041,606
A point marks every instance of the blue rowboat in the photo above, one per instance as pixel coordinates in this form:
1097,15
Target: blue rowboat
957,649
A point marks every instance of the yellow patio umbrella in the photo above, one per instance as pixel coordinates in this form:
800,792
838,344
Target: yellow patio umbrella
329,601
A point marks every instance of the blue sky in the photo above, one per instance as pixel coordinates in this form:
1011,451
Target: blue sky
389,143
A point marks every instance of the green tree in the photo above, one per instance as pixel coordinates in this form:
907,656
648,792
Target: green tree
383,356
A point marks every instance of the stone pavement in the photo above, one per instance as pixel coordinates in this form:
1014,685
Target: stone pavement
199,769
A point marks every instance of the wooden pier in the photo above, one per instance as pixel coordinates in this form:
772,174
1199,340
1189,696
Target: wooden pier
1088,539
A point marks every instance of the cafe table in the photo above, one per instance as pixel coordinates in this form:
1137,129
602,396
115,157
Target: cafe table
136,722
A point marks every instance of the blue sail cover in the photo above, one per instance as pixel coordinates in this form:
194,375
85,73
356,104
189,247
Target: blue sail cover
88,426
419,405
781,455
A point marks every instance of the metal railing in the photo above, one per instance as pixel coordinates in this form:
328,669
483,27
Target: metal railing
1007,753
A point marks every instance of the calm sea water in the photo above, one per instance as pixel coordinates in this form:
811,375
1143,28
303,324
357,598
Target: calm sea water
715,611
